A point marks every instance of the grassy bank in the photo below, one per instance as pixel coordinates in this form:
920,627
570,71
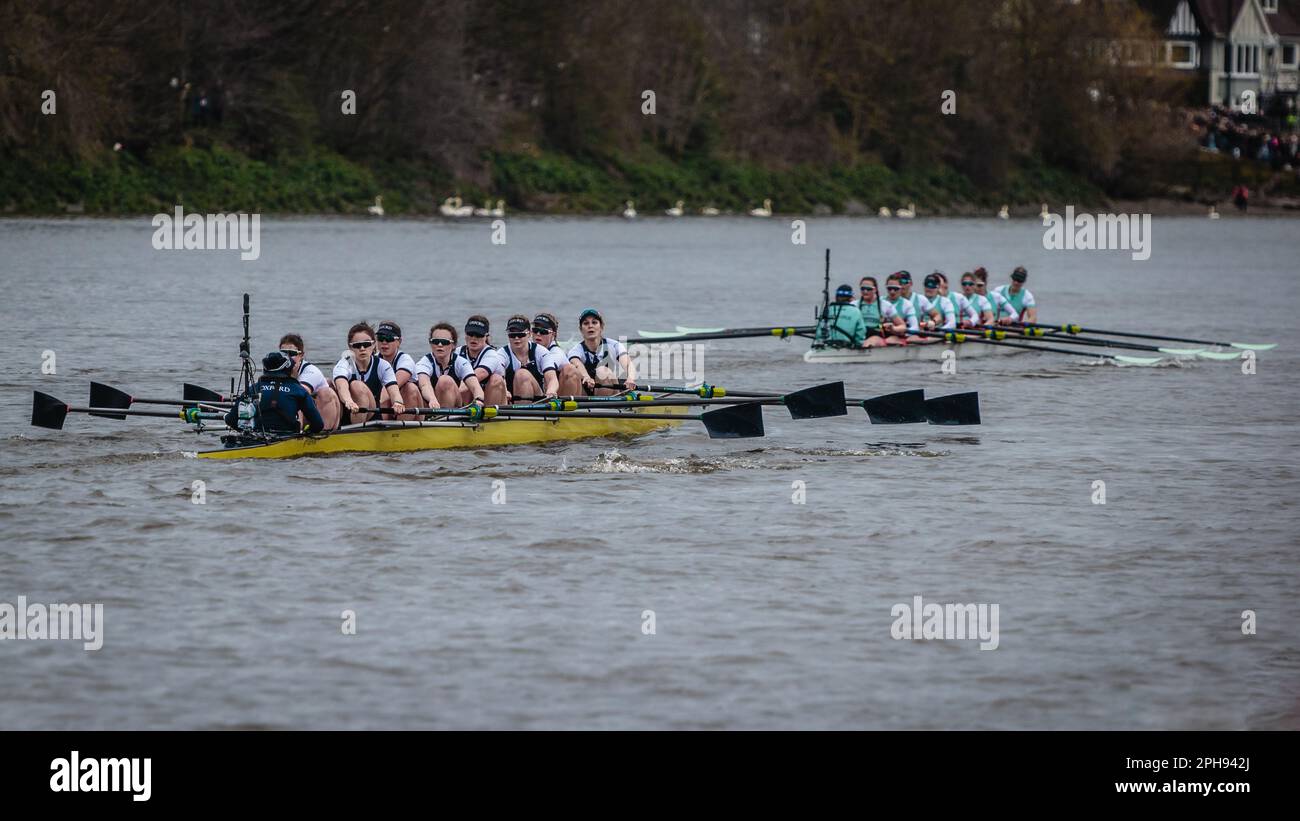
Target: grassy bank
216,178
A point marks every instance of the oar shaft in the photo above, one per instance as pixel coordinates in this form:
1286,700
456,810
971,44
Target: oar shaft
782,332
1077,329
1065,340
970,337
156,414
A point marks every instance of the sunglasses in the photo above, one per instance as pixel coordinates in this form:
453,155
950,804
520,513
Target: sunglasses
290,353
439,341
866,289
892,288
542,331
967,284
361,346
474,336
517,334
387,338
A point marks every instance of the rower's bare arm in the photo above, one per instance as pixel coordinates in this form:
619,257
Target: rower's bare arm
626,362
426,390
343,389
395,397
550,383
475,389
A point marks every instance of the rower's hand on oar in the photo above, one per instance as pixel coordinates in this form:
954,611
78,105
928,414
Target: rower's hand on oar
399,408
589,383
352,407
629,385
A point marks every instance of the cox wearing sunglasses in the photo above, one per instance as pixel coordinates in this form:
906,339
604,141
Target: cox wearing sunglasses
363,379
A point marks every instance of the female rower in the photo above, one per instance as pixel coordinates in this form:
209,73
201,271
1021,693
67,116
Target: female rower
327,401
589,370
1019,296
530,369
389,335
1003,312
879,315
545,329
967,316
489,366
363,380
441,373
983,308
927,316
903,307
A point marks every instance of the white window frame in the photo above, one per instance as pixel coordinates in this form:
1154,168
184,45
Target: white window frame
1190,45
1245,60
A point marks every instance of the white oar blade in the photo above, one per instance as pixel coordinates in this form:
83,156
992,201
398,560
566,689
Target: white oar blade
1222,356
682,329
1246,346
1181,351
658,334
1141,361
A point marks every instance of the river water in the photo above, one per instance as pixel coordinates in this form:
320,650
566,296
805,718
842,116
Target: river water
766,612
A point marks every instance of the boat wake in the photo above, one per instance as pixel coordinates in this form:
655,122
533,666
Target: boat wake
612,461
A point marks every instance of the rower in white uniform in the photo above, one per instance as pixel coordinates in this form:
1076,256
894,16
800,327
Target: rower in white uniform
441,373
1003,312
983,308
389,336
489,366
327,401
927,316
531,370
1019,296
967,316
903,307
940,304
364,380
545,328
592,361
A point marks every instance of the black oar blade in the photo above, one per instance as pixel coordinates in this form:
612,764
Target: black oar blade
954,409
107,396
902,408
48,412
197,393
817,402
734,422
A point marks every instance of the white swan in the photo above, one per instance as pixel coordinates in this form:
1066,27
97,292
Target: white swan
1214,213
629,211
463,210
884,212
500,210
1044,214
378,208
765,211
448,207
675,211
1004,213
906,213
485,211
709,211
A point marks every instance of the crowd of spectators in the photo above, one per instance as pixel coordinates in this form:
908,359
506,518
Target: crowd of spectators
1247,136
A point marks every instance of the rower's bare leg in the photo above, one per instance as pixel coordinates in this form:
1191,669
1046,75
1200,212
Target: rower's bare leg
875,342
363,397
494,392
327,402
526,386
449,393
411,399
604,374
571,380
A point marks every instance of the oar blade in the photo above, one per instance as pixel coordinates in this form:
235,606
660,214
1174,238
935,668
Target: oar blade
1247,346
107,396
48,412
817,402
1141,361
902,408
1182,351
953,409
1220,356
734,422
198,393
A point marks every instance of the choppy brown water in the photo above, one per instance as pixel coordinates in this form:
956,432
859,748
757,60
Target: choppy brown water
768,613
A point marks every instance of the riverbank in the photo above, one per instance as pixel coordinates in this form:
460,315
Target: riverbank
215,178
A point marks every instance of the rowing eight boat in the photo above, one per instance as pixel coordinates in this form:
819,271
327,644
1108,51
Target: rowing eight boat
391,437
